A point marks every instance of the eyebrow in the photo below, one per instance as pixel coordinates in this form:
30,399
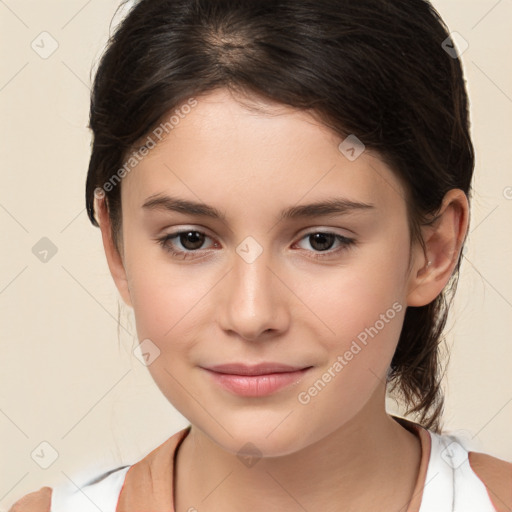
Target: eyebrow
330,206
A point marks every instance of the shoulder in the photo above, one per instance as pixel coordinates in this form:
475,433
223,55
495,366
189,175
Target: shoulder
478,477
38,501
88,490
101,491
496,475
454,472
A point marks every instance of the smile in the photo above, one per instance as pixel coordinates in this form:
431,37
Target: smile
256,381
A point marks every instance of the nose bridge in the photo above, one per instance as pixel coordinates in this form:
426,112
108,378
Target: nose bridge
251,274
254,303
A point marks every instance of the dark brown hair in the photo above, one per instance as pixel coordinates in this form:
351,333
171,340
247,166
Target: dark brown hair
373,68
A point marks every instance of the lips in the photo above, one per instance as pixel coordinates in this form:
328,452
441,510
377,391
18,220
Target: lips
256,380
258,369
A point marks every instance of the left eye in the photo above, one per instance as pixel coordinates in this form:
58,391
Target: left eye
323,241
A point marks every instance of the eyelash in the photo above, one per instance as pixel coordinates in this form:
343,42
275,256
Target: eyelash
346,243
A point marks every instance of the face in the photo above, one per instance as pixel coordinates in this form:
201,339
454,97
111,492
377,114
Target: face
323,291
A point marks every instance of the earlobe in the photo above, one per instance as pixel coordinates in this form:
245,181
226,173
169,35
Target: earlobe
114,259
433,267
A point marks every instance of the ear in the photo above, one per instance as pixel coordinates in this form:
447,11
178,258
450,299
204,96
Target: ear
431,269
114,259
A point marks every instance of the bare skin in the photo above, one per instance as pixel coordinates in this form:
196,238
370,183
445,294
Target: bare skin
336,449
348,470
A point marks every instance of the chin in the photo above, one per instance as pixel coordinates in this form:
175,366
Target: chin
253,437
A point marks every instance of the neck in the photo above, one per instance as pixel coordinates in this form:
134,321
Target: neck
369,463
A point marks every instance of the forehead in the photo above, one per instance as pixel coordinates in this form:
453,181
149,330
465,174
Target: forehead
220,149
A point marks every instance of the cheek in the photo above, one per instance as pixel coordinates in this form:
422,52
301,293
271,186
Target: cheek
363,330
353,297
367,318
167,306
360,312
165,296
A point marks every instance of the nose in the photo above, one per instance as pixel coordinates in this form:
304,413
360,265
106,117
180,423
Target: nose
254,300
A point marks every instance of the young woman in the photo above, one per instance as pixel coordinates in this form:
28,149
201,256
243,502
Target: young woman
283,191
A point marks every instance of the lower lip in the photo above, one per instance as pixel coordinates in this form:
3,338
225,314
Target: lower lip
257,385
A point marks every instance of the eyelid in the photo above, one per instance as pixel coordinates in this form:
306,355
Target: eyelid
326,230
184,227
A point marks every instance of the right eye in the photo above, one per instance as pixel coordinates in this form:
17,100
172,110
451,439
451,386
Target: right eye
190,241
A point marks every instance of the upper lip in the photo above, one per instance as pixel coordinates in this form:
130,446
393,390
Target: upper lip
257,369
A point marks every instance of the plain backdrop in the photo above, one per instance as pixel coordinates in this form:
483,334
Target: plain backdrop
66,380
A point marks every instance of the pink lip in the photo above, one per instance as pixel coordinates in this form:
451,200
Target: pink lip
258,380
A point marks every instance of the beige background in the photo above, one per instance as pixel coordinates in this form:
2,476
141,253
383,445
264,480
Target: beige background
65,378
